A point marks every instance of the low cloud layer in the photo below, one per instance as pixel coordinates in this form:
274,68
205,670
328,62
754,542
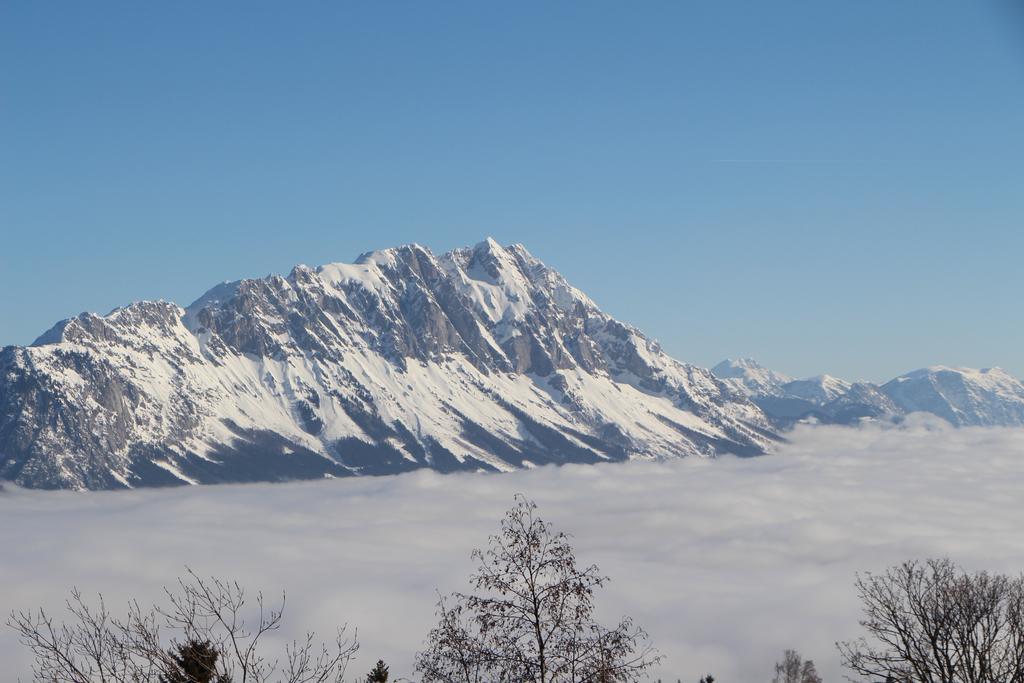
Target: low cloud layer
725,562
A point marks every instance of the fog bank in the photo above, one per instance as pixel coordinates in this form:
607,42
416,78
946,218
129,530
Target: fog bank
725,562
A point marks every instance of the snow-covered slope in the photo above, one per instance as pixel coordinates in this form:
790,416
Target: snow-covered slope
750,377
962,396
481,358
820,390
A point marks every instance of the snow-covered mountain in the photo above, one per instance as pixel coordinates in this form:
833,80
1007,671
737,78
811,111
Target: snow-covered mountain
750,377
479,359
819,390
962,396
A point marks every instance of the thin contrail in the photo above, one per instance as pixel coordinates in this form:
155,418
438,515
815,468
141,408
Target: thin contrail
820,161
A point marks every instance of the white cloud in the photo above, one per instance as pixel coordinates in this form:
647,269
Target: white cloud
725,562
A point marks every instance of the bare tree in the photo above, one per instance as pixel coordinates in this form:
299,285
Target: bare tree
531,618
91,646
794,669
933,622
207,632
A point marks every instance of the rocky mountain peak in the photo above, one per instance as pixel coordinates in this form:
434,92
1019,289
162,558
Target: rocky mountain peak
479,358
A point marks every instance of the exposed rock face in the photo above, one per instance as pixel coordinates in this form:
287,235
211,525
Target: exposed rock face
479,359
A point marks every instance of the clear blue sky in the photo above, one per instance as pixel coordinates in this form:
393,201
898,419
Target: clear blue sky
824,185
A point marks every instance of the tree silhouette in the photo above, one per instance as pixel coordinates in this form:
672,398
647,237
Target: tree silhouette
530,618
208,631
379,673
794,669
932,622
195,662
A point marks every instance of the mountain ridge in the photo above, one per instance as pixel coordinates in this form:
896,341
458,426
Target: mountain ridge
481,358
961,396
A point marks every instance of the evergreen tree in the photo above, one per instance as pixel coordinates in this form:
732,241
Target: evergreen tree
195,662
379,673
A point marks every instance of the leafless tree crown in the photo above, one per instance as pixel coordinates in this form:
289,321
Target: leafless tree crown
530,619
932,622
210,616
795,669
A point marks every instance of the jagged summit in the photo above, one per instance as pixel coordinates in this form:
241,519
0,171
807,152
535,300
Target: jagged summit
482,358
90,325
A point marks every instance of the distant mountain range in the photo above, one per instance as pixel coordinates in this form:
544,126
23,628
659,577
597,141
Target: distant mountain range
961,396
482,358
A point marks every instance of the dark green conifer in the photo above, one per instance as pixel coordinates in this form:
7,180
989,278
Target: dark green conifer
195,662
379,673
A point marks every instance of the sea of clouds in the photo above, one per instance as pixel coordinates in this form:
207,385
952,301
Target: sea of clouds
725,562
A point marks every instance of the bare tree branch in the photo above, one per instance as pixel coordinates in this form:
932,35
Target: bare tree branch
932,622
204,633
530,617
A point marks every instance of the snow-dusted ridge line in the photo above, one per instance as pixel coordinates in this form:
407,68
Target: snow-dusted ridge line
482,358
961,396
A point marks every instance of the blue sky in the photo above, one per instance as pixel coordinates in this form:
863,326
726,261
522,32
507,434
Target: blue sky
824,185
